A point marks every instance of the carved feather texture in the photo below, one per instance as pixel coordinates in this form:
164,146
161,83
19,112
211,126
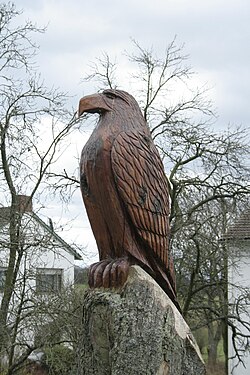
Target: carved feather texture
143,187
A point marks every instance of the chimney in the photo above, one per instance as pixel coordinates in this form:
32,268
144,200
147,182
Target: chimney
24,203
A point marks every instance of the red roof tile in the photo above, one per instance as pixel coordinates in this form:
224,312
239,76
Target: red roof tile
240,229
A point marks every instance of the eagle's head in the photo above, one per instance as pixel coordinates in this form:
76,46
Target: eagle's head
110,100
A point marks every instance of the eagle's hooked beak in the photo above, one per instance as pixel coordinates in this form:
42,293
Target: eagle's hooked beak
92,104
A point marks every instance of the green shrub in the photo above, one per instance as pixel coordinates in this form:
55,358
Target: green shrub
59,360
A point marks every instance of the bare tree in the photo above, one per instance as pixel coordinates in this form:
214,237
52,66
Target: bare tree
208,177
34,122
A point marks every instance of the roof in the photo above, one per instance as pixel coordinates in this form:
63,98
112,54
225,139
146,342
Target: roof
240,230
5,217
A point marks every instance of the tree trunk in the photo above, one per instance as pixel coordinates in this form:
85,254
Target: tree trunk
134,331
214,337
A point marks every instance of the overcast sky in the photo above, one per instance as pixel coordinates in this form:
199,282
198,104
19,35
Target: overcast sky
216,34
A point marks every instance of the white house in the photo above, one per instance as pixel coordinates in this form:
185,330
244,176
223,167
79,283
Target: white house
45,264
47,257
238,239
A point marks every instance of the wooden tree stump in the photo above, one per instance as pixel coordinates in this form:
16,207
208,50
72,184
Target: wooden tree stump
135,331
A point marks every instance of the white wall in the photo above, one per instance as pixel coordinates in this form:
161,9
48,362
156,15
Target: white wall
239,278
41,250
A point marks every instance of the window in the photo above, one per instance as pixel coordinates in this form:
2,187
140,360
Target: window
2,278
48,280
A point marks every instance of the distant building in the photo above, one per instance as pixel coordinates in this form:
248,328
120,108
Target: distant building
46,265
238,239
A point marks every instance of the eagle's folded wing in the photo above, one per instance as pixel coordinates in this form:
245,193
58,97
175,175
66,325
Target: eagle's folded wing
143,188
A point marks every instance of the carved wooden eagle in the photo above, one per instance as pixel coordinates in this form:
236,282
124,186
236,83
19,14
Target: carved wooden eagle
125,192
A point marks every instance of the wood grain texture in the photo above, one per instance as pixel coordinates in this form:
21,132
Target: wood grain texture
125,192
142,186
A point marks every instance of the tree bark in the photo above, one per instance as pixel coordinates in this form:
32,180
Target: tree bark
214,337
137,330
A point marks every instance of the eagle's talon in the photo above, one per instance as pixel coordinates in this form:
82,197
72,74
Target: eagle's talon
109,273
106,275
95,273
